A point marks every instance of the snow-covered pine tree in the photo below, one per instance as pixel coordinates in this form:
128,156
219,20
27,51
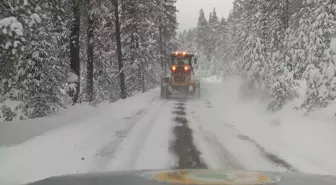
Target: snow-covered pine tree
147,26
283,84
240,21
39,71
11,46
211,44
60,21
165,28
253,41
166,24
188,40
105,73
192,38
235,36
202,41
321,70
299,35
38,66
41,74
134,24
36,50
221,52
257,37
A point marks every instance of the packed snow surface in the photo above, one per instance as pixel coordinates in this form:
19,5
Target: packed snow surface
136,133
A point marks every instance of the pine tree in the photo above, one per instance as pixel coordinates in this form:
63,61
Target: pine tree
188,40
213,32
221,53
283,88
240,21
146,41
166,23
39,69
253,41
202,40
12,40
120,61
105,73
211,44
38,40
320,73
90,48
74,75
212,47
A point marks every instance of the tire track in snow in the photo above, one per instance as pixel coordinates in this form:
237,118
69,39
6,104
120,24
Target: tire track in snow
271,157
129,149
213,152
106,153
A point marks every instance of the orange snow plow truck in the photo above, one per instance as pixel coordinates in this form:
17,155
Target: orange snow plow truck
180,80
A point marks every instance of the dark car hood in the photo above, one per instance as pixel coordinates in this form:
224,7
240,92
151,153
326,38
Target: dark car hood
197,177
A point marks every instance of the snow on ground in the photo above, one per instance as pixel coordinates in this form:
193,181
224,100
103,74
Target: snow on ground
306,142
218,140
213,79
28,129
148,144
136,133
86,141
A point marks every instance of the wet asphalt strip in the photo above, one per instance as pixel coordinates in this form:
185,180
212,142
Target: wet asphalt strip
182,146
271,157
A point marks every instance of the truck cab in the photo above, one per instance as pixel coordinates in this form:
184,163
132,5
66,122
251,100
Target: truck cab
181,68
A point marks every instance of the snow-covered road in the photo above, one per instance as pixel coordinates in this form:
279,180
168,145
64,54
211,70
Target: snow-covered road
121,136
145,132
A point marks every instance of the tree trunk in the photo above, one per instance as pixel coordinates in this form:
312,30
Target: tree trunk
142,76
287,15
118,40
74,49
90,52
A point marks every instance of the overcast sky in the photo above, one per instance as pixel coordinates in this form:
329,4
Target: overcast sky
189,10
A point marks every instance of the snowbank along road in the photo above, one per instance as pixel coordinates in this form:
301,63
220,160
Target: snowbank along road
142,132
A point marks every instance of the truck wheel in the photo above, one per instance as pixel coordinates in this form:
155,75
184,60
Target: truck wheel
164,87
197,91
164,92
